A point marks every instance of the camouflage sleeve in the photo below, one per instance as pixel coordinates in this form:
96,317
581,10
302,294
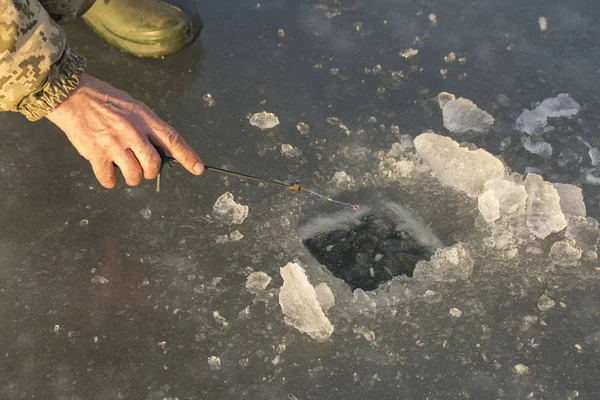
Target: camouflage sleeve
37,69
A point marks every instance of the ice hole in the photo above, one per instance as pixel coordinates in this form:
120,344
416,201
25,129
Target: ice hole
370,248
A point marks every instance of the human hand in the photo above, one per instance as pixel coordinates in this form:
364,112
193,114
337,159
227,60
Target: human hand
107,125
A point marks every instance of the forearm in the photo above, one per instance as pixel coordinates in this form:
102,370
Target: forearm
37,69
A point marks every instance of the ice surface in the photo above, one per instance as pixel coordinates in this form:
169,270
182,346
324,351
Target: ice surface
447,265
565,253
257,281
228,211
462,115
290,151
299,303
537,146
571,199
545,303
544,213
324,296
457,166
534,121
264,120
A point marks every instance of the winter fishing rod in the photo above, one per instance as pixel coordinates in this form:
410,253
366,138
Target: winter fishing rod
293,187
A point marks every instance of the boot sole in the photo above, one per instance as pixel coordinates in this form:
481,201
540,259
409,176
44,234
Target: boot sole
159,45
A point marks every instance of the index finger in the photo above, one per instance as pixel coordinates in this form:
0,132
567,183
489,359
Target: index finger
167,138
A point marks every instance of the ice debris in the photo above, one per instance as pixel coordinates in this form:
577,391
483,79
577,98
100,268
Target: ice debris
543,23
571,199
544,213
594,154
545,303
533,122
146,213
324,296
521,369
290,151
228,211
99,280
501,197
456,166
537,146
208,100
299,304
409,53
257,281
235,236
455,312
447,265
462,115
565,253
303,128
342,179
264,120
214,363
368,334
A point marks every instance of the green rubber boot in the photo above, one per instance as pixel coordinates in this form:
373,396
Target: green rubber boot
146,28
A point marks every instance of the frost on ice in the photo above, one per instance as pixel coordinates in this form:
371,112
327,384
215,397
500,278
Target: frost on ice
264,120
534,121
300,306
458,167
544,214
228,211
462,115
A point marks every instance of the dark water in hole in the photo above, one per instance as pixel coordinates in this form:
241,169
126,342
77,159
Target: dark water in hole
369,253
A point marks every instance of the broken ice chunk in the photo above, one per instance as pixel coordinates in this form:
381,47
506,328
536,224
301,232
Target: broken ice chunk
544,214
214,363
571,199
324,296
208,100
462,115
299,304
455,312
235,236
537,146
584,232
290,151
457,166
511,196
342,179
257,281
444,97
447,265
264,120
220,239
409,53
565,253
533,122
488,206
594,154
545,303
303,128
521,369
99,280
228,211
543,23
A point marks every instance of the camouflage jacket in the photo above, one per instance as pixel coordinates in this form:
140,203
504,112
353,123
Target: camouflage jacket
37,68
